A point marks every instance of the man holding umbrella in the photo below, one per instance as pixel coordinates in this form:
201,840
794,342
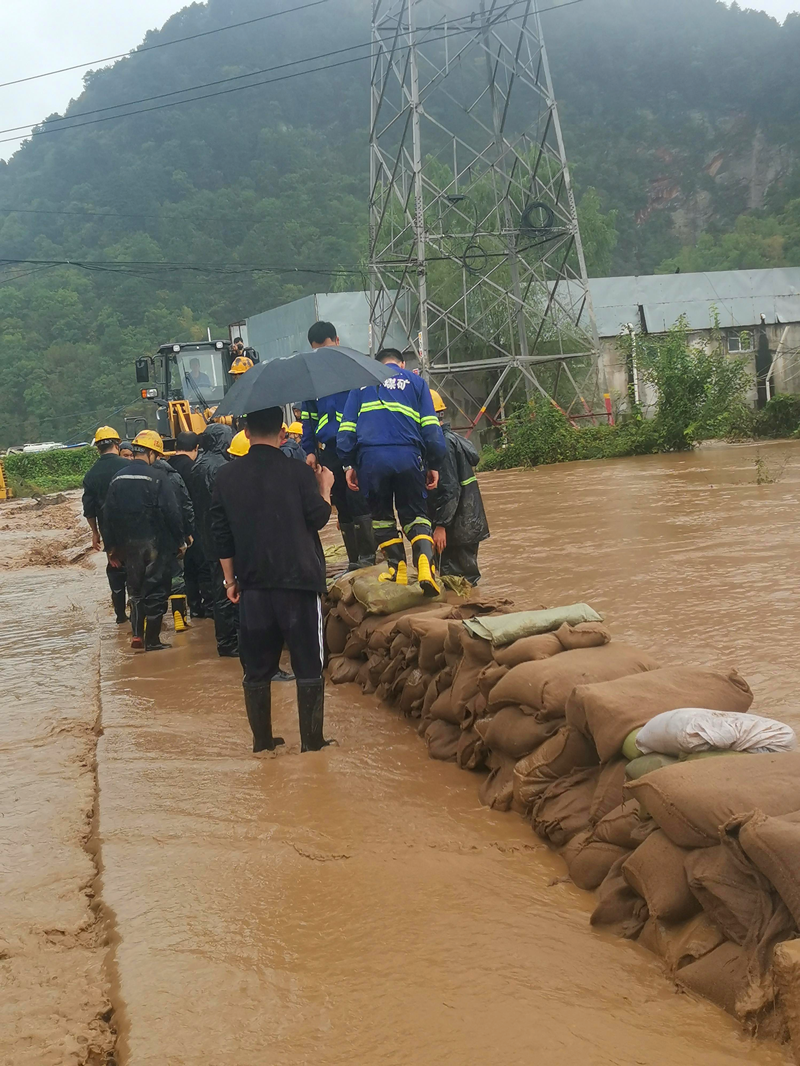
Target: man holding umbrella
266,512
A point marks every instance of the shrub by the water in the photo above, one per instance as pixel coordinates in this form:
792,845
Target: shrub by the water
55,471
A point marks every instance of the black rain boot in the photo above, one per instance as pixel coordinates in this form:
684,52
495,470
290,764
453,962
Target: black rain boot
394,552
118,603
423,560
258,704
365,540
152,633
310,709
348,531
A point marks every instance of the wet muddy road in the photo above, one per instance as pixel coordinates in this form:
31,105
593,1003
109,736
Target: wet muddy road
358,905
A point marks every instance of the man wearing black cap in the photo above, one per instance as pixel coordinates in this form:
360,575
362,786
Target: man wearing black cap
265,517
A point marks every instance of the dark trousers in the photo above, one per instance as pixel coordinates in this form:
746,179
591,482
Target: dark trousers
270,618
403,490
461,561
348,504
117,582
149,576
226,620
196,577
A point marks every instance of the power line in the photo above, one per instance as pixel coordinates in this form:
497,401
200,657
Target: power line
156,265
256,84
162,44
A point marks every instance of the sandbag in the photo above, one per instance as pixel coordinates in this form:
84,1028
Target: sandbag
355,646
453,649
609,709
623,826
657,871
563,808
474,710
475,655
414,691
342,670
386,597
471,752
430,634
583,635
608,793
590,865
505,629
732,893
646,764
489,676
336,633
517,734
442,708
678,945
547,684
528,649
497,790
692,800
442,741
352,614
618,906
380,629
694,729
773,846
565,751
400,643
431,611
720,976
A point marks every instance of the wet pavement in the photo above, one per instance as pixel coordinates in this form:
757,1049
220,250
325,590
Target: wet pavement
357,905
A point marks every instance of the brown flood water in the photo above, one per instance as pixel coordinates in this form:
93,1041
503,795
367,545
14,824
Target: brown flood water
358,906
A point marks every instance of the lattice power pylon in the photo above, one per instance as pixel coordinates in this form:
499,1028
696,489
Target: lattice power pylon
474,241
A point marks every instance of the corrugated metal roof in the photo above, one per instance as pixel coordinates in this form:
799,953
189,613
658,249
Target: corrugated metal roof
739,296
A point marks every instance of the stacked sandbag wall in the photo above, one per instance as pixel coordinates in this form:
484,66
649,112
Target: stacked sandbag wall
698,858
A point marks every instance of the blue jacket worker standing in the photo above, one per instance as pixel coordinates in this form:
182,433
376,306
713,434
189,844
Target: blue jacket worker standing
320,420
266,513
95,489
456,505
144,530
391,440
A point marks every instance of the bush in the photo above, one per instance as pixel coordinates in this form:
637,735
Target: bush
42,472
779,417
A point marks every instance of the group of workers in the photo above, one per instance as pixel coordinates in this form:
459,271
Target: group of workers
226,528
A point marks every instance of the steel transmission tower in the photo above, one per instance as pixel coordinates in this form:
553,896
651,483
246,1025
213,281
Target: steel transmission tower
474,242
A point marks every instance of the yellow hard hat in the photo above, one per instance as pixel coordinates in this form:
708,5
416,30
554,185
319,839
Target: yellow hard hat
241,364
105,433
148,438
295,427
438,402
284,427
240,445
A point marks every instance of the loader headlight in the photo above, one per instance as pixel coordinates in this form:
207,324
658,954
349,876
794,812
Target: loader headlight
149,394
176,347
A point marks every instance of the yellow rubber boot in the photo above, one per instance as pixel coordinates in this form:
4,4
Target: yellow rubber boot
426,575
179,608
388,575
402,574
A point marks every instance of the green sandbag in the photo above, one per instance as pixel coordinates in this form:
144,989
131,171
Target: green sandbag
506,628
645,764
386,597
629,749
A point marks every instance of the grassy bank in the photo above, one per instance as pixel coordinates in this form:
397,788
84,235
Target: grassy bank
43,472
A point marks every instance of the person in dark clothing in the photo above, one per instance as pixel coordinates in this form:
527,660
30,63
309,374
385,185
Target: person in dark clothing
456,506
95,488
144,529
266,514
213,457
320,420
178,603
290,445
126,449
196,573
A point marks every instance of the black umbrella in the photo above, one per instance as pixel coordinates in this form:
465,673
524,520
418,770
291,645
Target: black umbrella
306,376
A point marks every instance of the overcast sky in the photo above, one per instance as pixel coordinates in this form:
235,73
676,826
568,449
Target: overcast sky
41,35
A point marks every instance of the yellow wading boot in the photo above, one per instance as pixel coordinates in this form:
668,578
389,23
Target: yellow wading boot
179,609
426,575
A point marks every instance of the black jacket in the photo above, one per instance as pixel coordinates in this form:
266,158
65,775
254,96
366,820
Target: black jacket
95,485
213,457
292,448
141,506
183,464
456,502
266,513
181,494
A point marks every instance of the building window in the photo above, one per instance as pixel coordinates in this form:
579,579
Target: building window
740,342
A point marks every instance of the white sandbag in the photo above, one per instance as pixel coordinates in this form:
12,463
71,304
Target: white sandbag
691,729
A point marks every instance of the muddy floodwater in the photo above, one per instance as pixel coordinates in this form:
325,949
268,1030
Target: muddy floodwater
358,905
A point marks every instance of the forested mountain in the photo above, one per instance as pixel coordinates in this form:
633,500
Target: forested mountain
680,119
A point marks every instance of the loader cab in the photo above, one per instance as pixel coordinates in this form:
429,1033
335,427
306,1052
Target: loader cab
186,381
